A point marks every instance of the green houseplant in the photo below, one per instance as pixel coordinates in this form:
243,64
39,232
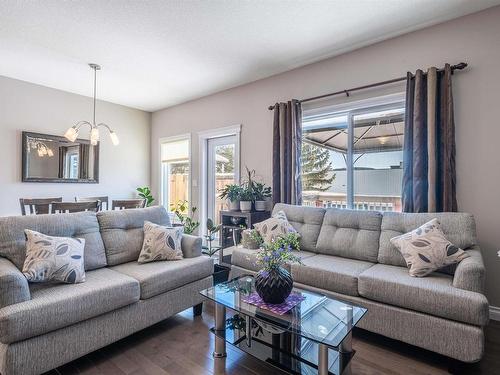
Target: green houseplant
145,193
261,192
232,193
246,199
185,216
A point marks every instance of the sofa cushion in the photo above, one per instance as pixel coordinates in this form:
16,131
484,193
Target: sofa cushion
306,220
247,258
123,234
53,306
160,277
433,294
459,228
350,234
331,273
77,225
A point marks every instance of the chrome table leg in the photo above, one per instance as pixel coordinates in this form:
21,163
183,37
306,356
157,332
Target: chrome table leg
220,331
322,359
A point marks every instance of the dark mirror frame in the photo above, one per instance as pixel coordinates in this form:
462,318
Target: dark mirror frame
24,147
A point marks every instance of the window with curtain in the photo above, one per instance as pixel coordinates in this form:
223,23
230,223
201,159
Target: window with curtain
352,154
175,176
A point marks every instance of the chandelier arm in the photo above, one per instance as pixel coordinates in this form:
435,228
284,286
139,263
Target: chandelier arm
106,126
79,124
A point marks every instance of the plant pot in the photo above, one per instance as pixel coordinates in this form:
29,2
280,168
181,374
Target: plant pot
233,205
260,205
221,274
246,206
274,286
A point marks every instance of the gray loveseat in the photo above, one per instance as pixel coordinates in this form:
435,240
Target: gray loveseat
347,254
43,326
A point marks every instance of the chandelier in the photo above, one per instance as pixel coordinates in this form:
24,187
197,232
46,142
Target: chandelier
72,133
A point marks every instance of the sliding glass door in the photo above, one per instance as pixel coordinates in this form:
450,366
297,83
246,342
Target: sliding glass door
222,169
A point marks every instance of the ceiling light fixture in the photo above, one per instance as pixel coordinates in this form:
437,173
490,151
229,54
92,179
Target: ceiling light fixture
72,133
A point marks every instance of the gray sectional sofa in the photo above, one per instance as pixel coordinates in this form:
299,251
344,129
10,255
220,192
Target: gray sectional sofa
43,326
347,254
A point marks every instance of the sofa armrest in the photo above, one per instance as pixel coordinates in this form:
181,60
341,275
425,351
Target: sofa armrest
470,273
13,285
191,246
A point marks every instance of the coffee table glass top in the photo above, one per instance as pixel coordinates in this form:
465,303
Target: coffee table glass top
318,318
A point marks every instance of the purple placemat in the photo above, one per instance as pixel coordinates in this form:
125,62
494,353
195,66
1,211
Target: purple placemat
291,301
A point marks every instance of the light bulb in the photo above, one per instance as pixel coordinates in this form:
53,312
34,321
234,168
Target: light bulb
40,153
50,152
94,136
71,134
114,138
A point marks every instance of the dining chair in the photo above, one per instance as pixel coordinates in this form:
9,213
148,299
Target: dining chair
93,199
122,204
37,206
63,207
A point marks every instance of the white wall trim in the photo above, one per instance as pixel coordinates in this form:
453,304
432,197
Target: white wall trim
174,138
203,137
495,313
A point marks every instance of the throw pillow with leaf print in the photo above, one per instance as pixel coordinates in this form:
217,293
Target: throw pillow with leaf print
426,249
160,243
275,227
51,258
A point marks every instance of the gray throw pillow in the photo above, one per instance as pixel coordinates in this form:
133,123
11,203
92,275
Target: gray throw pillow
160,243
426,249
53,258
273,227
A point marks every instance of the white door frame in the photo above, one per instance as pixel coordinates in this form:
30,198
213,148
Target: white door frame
203,138
180,137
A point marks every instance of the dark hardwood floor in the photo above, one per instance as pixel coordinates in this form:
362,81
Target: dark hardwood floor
182,345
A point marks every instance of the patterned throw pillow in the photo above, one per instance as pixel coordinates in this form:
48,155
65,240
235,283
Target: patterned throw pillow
53,258
160,243
426,249
274,227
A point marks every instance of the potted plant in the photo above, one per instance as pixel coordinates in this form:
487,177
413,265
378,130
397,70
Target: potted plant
186,218
261,192
273,282
145,193
232,193
246,199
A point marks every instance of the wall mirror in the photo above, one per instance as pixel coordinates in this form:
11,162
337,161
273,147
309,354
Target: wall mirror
51,158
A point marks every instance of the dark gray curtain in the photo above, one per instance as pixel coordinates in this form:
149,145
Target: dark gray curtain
287,136
429,175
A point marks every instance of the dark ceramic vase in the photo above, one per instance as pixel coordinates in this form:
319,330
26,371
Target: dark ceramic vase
273,286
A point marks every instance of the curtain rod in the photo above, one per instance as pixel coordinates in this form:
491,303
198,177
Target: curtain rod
458,66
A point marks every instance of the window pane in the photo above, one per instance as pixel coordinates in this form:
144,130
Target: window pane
178,180
378,160
324,150
175,172
224,174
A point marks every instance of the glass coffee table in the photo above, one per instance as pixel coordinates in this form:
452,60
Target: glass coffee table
314,337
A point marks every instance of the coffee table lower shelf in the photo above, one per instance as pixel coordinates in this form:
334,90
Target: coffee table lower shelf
284,350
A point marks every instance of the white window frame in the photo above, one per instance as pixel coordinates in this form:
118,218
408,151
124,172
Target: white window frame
203,137
374,104
181,137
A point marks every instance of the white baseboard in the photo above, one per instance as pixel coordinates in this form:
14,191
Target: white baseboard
495,313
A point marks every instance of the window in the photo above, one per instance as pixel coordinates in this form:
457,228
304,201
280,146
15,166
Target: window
352,155
175,173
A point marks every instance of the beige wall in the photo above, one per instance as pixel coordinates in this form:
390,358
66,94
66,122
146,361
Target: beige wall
474,39
25,106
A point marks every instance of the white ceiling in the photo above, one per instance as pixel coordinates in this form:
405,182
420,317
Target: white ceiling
159,53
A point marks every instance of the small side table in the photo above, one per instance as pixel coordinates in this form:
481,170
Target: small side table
230,232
